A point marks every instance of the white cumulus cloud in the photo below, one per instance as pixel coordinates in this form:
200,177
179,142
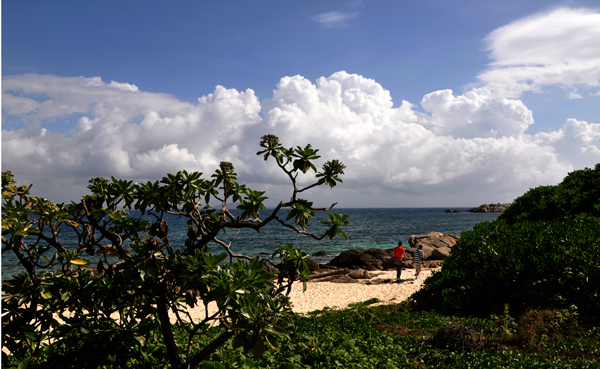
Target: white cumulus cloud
561,47
465,149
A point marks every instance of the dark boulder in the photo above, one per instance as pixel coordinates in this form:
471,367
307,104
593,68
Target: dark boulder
368,259
312,265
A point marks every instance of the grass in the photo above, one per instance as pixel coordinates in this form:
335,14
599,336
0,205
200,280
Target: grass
394,336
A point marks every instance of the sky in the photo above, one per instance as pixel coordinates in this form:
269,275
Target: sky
427,103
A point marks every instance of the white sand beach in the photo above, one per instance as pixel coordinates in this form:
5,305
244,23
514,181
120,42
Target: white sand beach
319,295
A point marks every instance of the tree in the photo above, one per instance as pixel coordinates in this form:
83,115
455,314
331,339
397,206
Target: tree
117,314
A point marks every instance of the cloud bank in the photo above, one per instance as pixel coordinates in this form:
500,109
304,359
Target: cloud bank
464,144
454,150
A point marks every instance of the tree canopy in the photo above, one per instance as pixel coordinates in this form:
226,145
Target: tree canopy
63,312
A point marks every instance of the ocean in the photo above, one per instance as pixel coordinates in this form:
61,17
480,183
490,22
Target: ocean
369,228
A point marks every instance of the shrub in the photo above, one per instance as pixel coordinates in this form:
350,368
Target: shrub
578,193
543,253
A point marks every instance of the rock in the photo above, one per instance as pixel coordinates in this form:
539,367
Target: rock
329,278
344,279
489,208
388,263
271,270
321,253
433,239
427,251
432,264
440,253
452,211
312,265
359,274
407,264
368,259
322,274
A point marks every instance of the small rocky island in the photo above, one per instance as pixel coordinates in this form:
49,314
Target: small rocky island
485,208
489,208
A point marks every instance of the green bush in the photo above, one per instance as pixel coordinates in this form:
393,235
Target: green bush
578,193
543,252
526,265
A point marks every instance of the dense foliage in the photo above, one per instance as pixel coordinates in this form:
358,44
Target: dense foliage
61,313
395,336
543,252
578,193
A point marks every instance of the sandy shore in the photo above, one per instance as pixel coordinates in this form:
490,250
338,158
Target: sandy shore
319,295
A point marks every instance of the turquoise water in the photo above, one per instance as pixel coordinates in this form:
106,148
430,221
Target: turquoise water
370,228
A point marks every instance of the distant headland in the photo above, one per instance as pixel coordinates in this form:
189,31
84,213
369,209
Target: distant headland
485,208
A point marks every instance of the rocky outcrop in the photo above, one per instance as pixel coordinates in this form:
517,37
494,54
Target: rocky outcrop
368,259
436,247
440,253
433,239
359,265
489,208
452,211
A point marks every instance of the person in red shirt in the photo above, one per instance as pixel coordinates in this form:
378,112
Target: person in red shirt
399,254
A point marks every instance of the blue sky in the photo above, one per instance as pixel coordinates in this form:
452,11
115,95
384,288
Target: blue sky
524,108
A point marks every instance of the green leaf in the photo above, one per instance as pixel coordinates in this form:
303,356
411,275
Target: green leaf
140,339
23,364
46,295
